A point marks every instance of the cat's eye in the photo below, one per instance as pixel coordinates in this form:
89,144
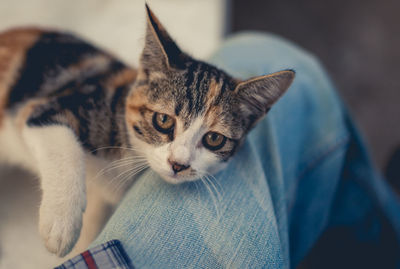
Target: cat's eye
163,123
213,140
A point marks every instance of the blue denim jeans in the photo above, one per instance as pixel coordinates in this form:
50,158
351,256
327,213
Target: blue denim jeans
302,170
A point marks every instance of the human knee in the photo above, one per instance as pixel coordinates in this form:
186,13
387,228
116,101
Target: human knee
265,52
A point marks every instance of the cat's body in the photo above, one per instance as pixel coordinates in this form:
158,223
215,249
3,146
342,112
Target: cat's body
83,88
68,109
69,77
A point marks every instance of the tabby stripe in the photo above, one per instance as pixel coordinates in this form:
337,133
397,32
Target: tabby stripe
196,87
188,83
201,92
216,75
118,100
50,52
178,108
113,69
221,92
43,118
81,105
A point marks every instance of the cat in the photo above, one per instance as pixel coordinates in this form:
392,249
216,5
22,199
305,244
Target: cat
69,109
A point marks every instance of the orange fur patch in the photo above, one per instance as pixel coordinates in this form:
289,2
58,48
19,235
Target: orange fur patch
211,114
213,91
134,103
13,47
211,118
141,75
125,77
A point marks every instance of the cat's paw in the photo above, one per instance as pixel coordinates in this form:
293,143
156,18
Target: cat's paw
60,226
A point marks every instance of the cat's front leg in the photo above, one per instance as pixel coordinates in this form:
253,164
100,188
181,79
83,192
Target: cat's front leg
60,161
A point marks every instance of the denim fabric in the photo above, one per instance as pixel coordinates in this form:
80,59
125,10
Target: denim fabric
302,169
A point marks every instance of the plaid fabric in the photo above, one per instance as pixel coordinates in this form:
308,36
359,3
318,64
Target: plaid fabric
108,255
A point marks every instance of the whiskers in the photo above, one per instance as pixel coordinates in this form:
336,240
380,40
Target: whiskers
117,147
213,188
125,176
130,166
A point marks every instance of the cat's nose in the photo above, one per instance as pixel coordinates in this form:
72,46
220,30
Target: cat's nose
177,167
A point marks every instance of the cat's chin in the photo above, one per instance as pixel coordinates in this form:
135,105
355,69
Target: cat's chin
177,179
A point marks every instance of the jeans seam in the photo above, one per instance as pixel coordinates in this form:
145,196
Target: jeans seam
342,141
326,154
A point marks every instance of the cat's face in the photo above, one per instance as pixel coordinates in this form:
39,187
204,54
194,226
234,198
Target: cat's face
188,122
188,117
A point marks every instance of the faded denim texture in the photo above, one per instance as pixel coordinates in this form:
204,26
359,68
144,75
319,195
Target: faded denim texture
303,169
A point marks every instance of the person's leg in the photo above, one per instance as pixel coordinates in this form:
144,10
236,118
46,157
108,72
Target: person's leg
277,191
305,131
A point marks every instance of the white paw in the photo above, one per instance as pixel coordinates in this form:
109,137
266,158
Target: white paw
60,226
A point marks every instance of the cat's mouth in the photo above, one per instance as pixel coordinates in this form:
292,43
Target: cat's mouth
177,178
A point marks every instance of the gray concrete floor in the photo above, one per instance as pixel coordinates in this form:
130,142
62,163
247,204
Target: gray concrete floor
357,41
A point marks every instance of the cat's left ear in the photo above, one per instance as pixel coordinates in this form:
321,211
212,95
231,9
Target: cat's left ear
160,51
258,94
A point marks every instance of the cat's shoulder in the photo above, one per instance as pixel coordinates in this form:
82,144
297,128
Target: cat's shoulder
28,35
19,39
19,35
38,41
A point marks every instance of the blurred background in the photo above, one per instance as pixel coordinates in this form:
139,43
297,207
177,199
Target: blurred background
357,41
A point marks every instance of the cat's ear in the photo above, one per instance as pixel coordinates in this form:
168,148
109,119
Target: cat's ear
160,51
258,94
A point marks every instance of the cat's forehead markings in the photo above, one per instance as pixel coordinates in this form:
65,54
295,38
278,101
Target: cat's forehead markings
137,99
188,86
202,86
212,116
193,129
178,108
213,91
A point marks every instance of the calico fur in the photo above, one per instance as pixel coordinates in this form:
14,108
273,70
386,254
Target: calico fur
69,109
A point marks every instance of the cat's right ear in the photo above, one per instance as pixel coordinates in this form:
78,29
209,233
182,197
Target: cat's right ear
160,51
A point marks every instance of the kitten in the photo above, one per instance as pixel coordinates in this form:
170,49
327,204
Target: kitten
68,109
